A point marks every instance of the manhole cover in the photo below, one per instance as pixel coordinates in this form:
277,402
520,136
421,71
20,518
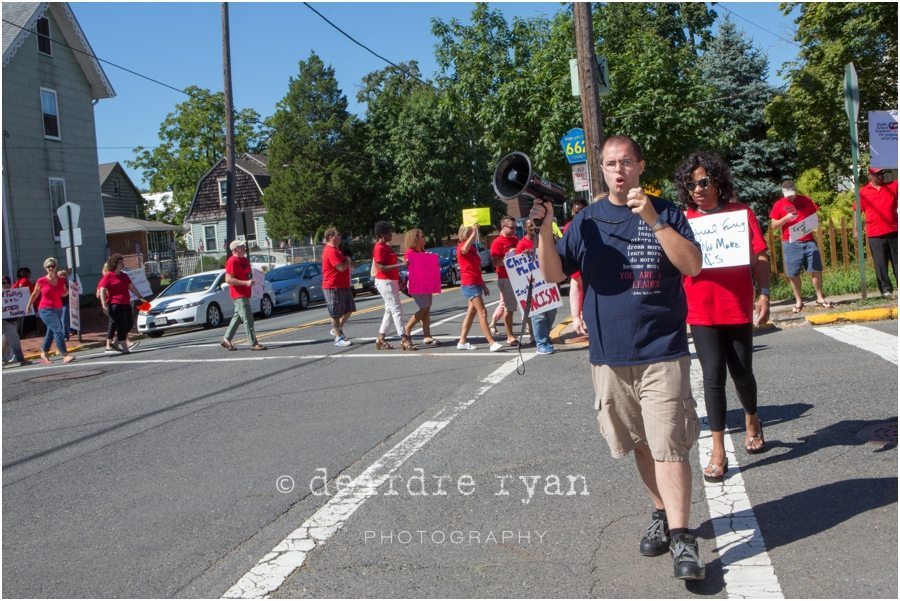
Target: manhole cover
75,375
879,434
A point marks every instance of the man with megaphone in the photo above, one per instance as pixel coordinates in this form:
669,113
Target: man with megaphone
632,250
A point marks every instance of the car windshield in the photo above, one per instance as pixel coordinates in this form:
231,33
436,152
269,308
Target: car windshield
281,274
445,252
196,283
363,269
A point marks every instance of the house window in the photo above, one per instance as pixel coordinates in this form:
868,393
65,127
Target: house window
246,225
51,113
223,191
43,36
115,184
57,199
209,235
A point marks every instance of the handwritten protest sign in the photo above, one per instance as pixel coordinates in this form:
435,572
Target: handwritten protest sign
75,304
424,273
14,301
139,279
481,216
544,296
724,239
259,282
798,230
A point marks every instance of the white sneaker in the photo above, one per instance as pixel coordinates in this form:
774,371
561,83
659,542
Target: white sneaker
496,347
465,346
341,341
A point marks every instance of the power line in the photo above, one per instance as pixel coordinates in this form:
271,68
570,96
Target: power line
720,5
366,48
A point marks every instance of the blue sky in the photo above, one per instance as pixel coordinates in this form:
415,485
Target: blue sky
180,44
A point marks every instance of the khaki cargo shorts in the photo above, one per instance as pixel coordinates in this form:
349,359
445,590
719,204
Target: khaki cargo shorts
647,405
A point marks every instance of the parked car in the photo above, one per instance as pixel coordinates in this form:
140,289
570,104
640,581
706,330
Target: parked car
485,255
361,280
268,260
449,266
194,300
299,284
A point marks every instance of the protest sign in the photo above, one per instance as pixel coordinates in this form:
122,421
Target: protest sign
14,301
544,296
139,279
481,216
424,273
259,279
75,304
724,239
883,139
798,230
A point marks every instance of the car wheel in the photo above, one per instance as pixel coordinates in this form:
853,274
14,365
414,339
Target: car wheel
452,278
213,316
155,334
304,299
265,306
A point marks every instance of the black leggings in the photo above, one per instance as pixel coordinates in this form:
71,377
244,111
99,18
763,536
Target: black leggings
718,347
122,317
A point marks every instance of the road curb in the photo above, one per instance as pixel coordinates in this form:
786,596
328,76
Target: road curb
877,314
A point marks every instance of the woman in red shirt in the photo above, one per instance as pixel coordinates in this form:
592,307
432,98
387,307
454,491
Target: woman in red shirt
472,287
387,274
115,289
721,307
50,289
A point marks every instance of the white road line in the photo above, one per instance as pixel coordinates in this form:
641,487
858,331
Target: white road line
288,555
747,569
868,339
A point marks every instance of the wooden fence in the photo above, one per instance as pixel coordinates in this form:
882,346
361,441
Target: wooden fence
837,245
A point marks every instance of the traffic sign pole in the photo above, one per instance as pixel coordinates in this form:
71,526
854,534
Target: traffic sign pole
71,228
851,104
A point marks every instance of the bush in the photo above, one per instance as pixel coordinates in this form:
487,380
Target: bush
834,282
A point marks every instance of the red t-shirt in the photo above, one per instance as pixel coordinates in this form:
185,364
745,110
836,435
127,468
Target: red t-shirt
331,277
116,285
385,255
469,266
576,275
51,296
804,207
499,247
724,295
524,245
880,207
240,268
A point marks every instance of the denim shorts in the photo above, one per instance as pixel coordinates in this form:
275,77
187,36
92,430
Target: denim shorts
799,256
471,291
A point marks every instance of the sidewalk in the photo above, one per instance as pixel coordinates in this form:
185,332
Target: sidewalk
93,335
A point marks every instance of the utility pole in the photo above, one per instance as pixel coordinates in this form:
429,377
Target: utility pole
590,100
229,132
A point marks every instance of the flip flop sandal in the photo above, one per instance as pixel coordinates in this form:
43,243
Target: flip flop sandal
749,445
258,347
228,346
715,472
797,308
825,305
431,342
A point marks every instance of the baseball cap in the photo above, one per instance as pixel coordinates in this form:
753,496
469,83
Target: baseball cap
237,243
875,170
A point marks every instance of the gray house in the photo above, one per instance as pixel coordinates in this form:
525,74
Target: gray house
49,137
120,196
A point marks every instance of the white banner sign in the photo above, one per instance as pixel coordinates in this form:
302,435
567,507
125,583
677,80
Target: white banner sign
724,239
798,230
580,177
544,296
883,139
75,304
139,279
14,301
258,283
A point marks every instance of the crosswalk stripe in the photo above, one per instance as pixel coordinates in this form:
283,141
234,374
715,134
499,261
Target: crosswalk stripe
867,339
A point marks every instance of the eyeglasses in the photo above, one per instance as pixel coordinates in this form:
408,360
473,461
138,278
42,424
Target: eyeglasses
703,183
50,267
623,163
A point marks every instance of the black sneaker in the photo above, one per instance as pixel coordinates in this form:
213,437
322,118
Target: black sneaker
656,540
686,557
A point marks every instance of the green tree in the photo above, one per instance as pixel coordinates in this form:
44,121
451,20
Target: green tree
810,113
193,140
314,158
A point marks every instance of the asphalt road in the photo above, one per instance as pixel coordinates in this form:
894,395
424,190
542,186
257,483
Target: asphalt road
174,471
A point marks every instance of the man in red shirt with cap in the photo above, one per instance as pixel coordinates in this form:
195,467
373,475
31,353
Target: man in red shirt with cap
878,201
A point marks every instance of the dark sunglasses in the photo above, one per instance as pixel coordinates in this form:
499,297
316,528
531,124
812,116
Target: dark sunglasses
703,183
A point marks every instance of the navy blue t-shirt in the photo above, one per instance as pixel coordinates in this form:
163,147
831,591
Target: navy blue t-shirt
634,303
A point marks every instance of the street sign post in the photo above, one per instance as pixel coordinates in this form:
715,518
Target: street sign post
851,105
70,239
573,146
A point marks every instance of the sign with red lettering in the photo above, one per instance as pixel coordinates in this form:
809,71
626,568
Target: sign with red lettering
544,296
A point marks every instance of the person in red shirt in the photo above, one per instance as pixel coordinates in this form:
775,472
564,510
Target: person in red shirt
500,247
51,288
878,201
115,288
414,241
721,307
336,267
803,253
25,324
538,324
239,277
473,288
387,276
576,287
